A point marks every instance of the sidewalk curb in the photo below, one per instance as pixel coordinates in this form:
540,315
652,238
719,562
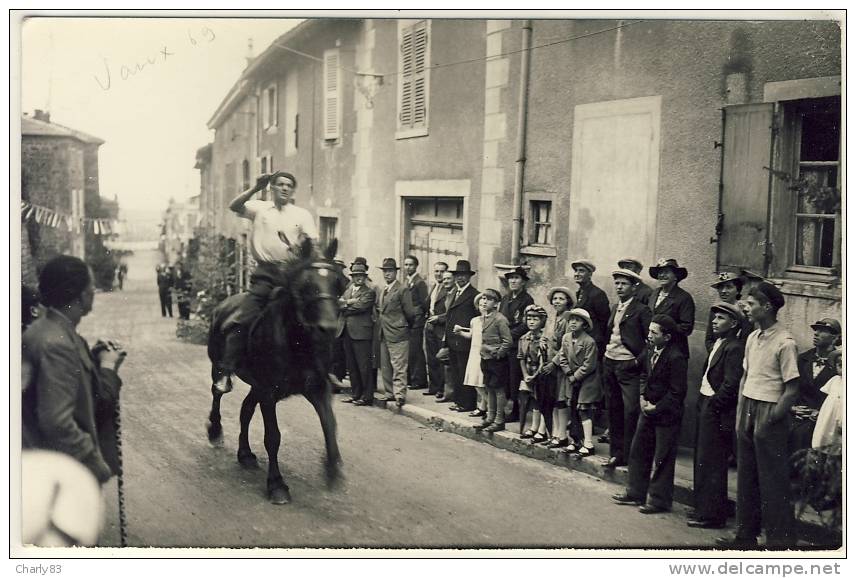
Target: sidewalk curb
809,530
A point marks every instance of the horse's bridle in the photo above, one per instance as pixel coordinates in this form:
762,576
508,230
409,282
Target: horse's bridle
324,269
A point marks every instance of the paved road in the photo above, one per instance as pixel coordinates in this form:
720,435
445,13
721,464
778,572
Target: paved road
406,485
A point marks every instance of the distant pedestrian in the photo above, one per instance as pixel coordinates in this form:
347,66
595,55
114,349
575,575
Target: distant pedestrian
165,283
654,449
496,343
121,273
183,285
769,388
417,376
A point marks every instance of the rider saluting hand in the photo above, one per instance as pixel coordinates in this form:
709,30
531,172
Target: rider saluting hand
277,226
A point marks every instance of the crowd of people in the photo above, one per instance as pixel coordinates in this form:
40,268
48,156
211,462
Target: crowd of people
174,281
501,358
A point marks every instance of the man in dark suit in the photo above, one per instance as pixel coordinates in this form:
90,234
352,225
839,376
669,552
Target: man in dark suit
164,290
512,307
69,399
417,376
592,298
643,291
447,395
717,406
459,313
663,387
435,308
395,313
355,328
814,373
183,284
627,328
669,299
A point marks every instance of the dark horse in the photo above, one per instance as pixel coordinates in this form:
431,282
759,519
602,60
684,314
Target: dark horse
286,354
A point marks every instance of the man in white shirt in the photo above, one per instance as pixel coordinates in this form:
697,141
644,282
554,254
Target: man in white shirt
278,227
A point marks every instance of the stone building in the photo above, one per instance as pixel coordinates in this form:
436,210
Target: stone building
544,141
59,171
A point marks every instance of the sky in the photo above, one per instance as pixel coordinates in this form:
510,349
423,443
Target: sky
146,86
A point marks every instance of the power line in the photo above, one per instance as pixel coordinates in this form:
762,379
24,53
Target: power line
470,60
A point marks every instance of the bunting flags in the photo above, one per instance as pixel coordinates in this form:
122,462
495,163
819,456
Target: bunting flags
57,220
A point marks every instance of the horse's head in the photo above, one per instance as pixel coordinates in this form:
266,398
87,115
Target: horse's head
314,287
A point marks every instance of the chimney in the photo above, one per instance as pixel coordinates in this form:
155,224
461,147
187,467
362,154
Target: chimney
249,56
42,115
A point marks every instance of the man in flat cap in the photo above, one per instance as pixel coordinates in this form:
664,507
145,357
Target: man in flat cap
729,287
815,371
643,291
769,388
627,335
669,299
716,406
592,298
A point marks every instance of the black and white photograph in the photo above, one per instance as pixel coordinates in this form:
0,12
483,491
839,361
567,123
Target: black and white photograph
427,284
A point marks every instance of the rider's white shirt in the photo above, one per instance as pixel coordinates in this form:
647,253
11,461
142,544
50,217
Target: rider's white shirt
268,222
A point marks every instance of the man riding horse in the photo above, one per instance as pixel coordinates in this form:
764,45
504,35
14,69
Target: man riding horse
278,226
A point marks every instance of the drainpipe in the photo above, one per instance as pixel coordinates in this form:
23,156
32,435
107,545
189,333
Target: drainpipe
520,163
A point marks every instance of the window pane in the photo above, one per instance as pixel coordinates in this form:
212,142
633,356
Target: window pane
820,130
815,239
816,177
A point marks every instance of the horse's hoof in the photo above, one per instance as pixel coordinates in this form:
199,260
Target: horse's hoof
333,474
215,431
279,496
248,460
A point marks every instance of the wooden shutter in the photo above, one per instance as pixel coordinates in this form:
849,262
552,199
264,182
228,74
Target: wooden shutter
413,95
332,100
744,200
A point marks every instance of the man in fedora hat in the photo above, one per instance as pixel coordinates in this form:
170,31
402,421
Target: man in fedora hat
435,307
460,312
355,328
592,298
769,387
512,307
643,291
416,369
669,299
627,336
815,371
395,313
716,406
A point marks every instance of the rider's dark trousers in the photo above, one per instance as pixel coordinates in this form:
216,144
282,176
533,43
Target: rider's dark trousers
261,284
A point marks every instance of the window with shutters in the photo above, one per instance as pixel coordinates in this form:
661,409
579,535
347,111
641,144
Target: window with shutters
780,195
332,113
269,107
414,62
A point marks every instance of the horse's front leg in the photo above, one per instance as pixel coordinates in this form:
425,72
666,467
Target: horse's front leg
277,489
214,426
246,457
318,394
